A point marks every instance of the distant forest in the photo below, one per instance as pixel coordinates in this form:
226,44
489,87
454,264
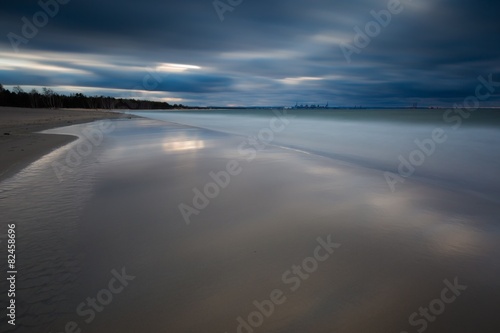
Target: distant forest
47,98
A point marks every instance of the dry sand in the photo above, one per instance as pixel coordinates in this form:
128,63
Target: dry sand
21,145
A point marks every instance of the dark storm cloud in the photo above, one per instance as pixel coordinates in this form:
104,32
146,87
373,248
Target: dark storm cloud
264,52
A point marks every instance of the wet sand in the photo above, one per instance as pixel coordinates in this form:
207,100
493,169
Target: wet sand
393,253
21,145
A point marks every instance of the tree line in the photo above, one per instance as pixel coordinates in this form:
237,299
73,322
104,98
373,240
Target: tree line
47,98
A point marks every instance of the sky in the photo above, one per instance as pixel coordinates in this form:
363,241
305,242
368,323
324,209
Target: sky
254,52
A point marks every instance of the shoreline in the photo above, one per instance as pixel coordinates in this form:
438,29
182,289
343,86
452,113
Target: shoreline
20,142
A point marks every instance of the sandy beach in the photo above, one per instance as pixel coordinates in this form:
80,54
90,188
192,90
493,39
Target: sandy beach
168,227
20,144
225,166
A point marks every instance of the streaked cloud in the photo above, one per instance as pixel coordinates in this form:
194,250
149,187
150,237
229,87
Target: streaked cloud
271,53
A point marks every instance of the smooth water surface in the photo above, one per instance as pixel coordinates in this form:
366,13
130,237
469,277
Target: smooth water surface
117,209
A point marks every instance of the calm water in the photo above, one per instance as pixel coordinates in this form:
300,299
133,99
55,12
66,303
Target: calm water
116,210
467,160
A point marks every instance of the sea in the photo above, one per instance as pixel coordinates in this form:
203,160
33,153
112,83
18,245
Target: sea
260,220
